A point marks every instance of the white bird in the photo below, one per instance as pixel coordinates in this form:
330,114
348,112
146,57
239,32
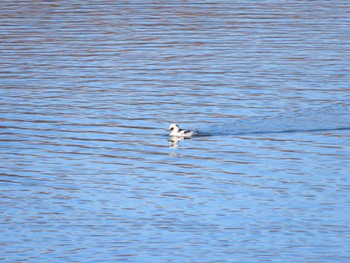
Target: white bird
175,131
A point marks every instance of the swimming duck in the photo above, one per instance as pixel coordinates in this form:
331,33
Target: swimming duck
175,131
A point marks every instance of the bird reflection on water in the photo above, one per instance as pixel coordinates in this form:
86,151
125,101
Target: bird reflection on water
174,142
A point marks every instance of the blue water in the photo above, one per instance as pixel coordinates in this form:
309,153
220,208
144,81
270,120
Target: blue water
336,117
88,173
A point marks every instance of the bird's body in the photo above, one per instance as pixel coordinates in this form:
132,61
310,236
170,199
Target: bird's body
175,131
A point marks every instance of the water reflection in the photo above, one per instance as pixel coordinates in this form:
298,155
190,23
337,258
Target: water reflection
174,142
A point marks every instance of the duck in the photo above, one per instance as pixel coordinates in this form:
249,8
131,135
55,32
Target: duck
175,131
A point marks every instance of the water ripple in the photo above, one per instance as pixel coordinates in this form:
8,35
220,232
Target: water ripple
88,89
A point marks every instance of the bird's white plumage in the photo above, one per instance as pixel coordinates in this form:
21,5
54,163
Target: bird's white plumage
175,131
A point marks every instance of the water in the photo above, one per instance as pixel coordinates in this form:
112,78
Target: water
88,173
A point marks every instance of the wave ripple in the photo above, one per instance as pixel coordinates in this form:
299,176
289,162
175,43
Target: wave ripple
329,118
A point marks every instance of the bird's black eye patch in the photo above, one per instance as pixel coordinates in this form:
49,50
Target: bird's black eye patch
172,128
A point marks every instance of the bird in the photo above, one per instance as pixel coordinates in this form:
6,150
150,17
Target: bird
175,131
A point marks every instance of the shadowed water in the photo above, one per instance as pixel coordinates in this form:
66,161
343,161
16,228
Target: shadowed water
88,173
316,120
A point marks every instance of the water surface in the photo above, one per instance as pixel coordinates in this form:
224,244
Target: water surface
88,173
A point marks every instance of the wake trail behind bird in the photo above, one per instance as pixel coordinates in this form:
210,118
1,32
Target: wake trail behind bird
325,119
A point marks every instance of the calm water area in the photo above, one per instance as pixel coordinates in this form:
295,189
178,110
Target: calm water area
88,172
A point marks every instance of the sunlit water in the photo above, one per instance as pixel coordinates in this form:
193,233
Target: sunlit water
88,173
